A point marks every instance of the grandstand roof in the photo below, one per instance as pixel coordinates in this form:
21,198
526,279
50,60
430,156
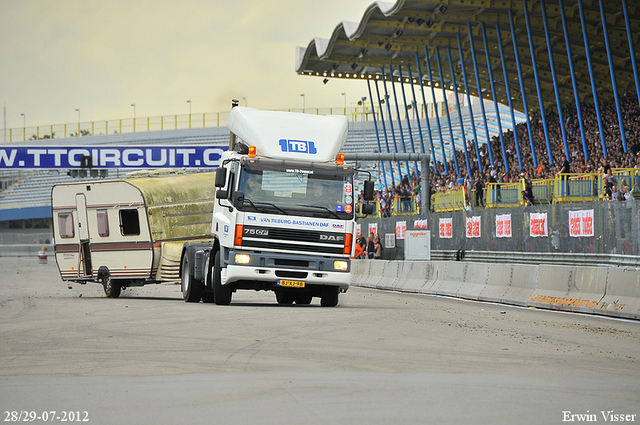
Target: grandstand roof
392,33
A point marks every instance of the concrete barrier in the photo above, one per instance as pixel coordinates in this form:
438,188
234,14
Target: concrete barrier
621,298
569,288
451,276
595,290
475,281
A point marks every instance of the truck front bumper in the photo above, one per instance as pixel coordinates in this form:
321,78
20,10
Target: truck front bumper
269,267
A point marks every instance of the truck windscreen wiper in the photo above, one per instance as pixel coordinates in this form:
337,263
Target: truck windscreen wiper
320,207
253,204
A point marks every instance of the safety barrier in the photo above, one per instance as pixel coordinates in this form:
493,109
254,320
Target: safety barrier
605,291
582,187
504,194
449,200
543,190
406,206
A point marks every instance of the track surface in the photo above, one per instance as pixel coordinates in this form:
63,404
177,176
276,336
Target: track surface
379,357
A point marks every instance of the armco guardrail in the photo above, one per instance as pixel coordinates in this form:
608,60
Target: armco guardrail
607,291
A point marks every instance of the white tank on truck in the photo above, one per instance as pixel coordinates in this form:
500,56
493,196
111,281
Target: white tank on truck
285,212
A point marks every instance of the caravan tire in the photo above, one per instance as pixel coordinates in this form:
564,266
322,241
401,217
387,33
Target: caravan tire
221,293
111,288
192,289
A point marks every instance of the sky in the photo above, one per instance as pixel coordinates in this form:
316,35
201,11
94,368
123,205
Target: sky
57,56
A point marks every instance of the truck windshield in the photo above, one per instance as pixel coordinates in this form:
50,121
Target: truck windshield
326,192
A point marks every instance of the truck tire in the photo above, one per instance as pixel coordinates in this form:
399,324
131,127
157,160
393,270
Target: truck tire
303,299
111,289
221,293
285,297
329,296
191,289
207,294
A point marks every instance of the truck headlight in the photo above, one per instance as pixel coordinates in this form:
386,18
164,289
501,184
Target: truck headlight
340,265
243,258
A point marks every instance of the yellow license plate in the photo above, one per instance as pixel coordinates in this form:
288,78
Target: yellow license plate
291,283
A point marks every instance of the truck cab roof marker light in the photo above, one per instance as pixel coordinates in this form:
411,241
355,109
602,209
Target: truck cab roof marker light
340,159
252,152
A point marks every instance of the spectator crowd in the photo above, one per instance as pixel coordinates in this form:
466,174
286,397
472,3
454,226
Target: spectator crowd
506,169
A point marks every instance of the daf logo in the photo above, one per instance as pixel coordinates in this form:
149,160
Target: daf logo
332,238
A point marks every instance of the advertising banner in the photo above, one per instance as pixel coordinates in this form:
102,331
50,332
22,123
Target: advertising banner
420,224
373,228
401,228
446,228
503,226
111,157
581,223
538,225
473,227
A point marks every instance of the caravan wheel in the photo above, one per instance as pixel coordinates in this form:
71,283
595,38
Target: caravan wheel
111,288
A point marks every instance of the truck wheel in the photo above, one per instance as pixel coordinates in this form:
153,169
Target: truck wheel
285,297
329,296
221,293
191,289
303,299
207,295
111,288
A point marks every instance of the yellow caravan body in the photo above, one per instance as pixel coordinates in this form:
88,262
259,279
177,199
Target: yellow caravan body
130,229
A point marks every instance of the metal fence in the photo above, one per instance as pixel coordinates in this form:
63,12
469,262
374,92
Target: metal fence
615,224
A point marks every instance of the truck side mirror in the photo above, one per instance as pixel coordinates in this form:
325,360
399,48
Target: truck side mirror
368,190
238,199
368,209
221,178
222,194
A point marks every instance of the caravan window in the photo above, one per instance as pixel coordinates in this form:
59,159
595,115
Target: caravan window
65,225
103,223
129,222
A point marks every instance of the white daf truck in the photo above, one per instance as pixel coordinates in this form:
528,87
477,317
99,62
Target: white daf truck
284,215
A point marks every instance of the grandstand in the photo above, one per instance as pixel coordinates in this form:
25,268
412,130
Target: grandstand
26,194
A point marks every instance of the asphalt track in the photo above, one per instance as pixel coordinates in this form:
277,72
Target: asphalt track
377,358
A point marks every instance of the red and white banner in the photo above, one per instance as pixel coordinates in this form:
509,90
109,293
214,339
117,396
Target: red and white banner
581,223
538,225
473,226
420,224
401,227
446,228
373,228
503,226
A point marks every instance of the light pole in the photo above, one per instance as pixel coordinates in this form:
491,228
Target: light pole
304,101
78,111
24,126
189,102
344,93
134,117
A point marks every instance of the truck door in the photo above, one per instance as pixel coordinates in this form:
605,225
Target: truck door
84,266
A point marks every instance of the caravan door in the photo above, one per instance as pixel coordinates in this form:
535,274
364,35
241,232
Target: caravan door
84,257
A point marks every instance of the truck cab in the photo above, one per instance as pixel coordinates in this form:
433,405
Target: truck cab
284,216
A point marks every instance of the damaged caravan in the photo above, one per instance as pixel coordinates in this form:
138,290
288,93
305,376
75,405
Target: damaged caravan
129,232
